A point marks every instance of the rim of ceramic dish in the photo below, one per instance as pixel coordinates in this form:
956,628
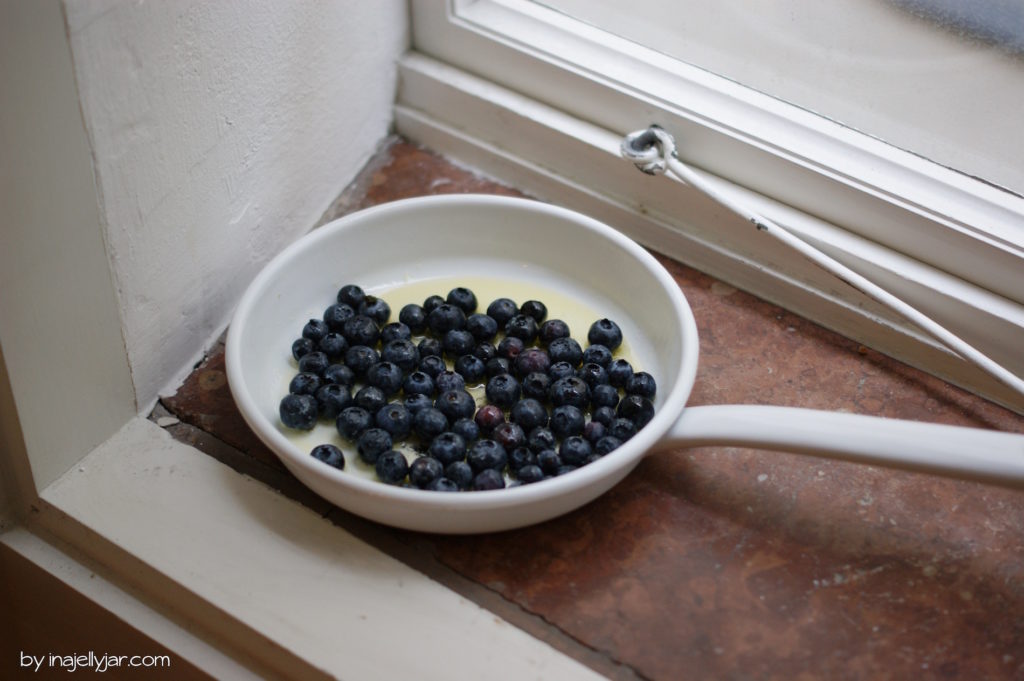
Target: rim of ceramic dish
595,477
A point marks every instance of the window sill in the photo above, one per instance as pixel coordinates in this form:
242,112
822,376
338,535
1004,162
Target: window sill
287,592
270,577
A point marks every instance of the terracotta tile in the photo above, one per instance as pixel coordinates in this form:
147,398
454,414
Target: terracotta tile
731,563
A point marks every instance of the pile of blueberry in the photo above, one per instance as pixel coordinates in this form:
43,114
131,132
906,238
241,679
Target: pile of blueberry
550,404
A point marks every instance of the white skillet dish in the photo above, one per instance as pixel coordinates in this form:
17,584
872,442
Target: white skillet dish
475,236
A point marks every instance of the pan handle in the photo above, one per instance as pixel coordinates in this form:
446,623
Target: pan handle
971,453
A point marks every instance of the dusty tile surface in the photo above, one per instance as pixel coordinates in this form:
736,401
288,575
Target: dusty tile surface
729,563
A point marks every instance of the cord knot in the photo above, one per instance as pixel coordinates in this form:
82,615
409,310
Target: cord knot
649,149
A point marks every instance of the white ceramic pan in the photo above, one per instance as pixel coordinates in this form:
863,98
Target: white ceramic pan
475,236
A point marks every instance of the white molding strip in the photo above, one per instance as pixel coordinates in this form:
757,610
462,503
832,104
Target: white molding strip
270,580
557,157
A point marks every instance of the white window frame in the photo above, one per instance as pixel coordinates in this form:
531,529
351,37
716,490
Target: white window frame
535,97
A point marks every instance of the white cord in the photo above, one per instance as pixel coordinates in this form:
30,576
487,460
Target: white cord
654,151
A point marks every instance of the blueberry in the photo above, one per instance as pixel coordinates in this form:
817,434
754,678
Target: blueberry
603,415
503,390
523,327
530,474
315,329
536,385
336,315
549,461
446,317
372,443
449,380
575,450
483,327
414,317
302,346
456,404
510,347
431,365
535,309
394,418
351,295
487,480
298,411
429,347
448,447
391,467
597,354
401,352
463,298
376,309
429,423
561,370
529,413
619,372
457,342
330,455
304,383
370,397
340,374
604,395
395,331
496,366
566,421
314,362
424,471
418,383
594,431
418,401
606,444
486,454
333,345
531,360
485,351
552,330
431,303
593,374
502,310
443,484
331,399
622,429
460,473
521,456
605,332
565,468
352,421
385,375
570,390
509,436
466,429
472,369
361,330
566,350
541,438
359,358
637,409
641,383
488,417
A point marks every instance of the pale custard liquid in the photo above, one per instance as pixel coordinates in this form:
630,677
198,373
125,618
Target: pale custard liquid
577,315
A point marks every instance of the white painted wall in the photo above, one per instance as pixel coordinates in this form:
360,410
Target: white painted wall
220,131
